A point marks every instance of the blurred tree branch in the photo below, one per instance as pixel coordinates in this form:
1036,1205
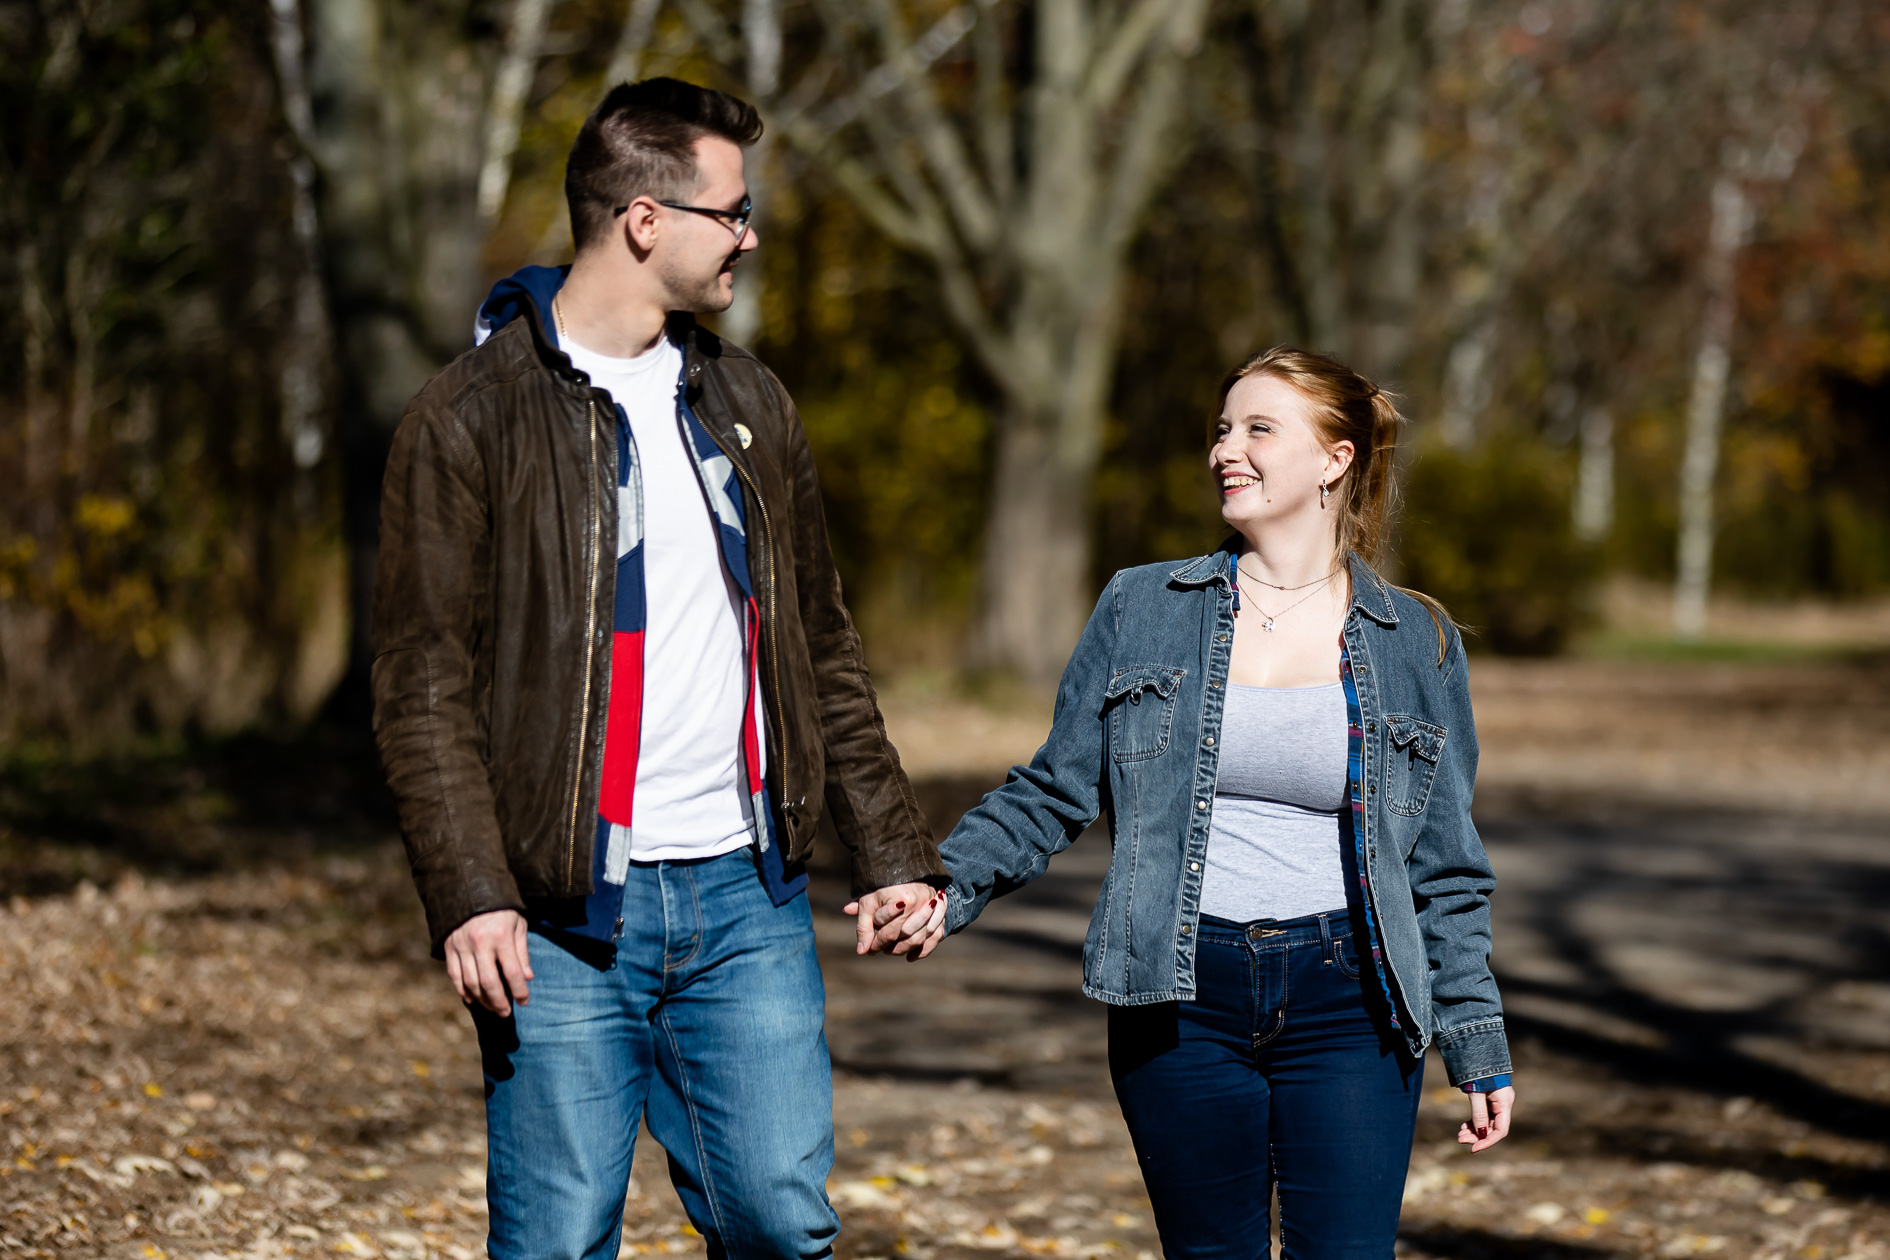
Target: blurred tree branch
1022,184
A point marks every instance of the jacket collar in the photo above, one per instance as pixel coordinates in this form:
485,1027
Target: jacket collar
527,294
1370,594
699,346
1208,569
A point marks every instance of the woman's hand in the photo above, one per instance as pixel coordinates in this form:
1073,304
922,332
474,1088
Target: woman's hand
907,920
1489,1118
920,932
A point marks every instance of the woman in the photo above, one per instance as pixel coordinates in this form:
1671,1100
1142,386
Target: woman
1298,902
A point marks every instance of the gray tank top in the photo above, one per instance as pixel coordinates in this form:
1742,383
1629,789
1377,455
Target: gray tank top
1273,841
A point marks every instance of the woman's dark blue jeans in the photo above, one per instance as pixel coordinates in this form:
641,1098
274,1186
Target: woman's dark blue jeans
1277,1074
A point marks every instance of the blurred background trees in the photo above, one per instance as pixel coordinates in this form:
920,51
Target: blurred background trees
1009,248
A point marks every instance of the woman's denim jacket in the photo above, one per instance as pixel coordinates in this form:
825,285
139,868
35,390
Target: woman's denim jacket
1137,734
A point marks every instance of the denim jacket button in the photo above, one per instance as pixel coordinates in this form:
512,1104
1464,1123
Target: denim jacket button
1203,804
1185,929
1220,638
1209,741
1194,866
1371,727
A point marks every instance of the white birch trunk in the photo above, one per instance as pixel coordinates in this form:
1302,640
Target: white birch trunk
1594,486
761,39
1706,406
1466,385
524,36
303,396
626,60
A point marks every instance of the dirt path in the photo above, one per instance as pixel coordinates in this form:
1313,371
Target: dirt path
262,1062
1800,737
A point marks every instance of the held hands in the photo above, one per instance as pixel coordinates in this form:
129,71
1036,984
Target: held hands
906,919
485,956
1489,1118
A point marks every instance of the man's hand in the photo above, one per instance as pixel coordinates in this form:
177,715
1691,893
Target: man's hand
906,919
487,954
1489,1118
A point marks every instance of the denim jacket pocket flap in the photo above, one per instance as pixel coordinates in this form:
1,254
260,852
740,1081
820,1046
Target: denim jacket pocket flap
1160,679
1140,704
1419,736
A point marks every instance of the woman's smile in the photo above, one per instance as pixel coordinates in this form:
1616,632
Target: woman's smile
1234,483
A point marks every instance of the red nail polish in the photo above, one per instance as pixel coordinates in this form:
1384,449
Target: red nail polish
900,906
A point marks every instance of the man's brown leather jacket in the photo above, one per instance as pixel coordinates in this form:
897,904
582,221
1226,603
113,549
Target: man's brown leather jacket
493,613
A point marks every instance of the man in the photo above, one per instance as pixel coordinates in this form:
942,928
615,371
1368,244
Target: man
614,681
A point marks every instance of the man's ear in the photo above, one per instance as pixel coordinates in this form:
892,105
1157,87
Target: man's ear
641,225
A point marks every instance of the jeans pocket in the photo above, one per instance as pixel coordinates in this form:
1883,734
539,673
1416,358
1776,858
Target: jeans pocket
1140,703
1345,956
1412,750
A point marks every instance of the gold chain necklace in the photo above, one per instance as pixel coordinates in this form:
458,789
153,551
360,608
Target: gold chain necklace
557,315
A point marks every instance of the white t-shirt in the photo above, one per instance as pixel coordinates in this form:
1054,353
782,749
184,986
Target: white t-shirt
689,799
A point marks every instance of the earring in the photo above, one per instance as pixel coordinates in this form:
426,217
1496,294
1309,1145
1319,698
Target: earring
1325,492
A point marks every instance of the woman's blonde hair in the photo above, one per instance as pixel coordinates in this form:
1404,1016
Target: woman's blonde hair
1348,408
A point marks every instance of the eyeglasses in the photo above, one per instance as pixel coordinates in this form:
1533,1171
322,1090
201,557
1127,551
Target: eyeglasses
735,220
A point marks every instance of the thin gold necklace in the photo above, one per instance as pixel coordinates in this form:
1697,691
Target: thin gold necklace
564,338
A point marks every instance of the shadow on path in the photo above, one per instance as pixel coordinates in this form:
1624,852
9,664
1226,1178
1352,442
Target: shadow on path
1661,947
1476,1244
195,807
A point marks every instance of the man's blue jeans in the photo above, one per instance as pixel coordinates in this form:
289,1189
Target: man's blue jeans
708,1024
1276,1074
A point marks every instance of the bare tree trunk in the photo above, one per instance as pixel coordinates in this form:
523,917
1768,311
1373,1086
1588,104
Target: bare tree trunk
401,100
1594,486
1036,552
36,461
1025,197
1706,406
81,300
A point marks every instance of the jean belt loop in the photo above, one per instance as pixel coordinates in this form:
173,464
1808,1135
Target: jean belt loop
1325,935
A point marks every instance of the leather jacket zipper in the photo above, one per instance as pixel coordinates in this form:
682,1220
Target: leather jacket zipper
590,655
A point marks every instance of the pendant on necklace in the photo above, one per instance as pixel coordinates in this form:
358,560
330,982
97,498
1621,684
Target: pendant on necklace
1267,625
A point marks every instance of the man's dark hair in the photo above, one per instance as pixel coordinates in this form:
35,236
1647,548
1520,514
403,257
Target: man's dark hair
640,141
